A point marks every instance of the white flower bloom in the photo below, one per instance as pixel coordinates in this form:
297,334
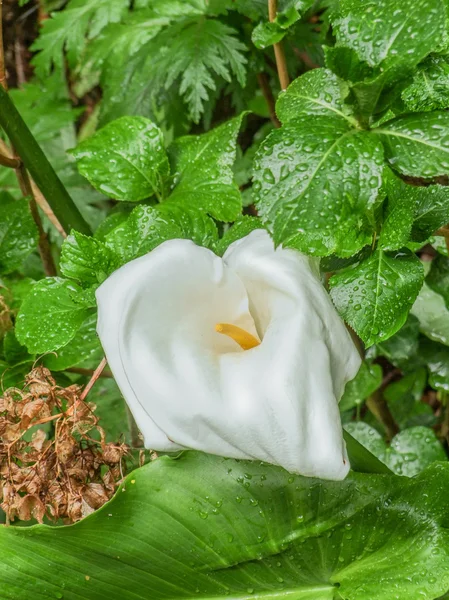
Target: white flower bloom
162,320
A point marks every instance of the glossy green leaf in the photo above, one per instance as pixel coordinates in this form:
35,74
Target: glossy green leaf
202,168
436,357
13,351
316,179
411,451
387,34
404,400
220,528
87,259
317,92
367,380
429,89
125,160
431,211
433,315
50,315
85,345
398,214
267,33
362,459
417,144
403,345
438,277
18,233
375,296
241,228
149,226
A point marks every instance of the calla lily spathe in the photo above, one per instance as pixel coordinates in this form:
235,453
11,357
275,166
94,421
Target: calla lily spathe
169,322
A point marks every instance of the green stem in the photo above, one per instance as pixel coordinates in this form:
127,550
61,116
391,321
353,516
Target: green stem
40,169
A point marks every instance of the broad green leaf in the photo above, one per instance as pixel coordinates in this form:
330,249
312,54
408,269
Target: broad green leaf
367,380
398,215
438,277
411,451
240,229
14,375
149,226
13,351
403,345
217,528
417,144
315,180
404,400
431,210
83,346
433,315
429,89
361,458
125,160
317,92
202,168
388,34
50,315
375,296
87,259
18,233
436,356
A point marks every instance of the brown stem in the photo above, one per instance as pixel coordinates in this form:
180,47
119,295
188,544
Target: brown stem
12,163
379,407
264,85
89,372
96,374
2,54
278,49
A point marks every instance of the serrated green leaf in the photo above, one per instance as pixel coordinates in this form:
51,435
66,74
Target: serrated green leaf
411,451
241,228
87,259
149,226
18,232
202,171
275,529
69,30
318,92
429,89
433,315
438,277
125,160
367,380
50,315
403,345
315,181
83,346
267,33
386,34
431,211
399,214
375,296
417,144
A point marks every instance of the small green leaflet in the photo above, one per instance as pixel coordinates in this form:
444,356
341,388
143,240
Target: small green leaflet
18,232
367,380
202,171
375,296
149,226
317,92
417,144
411,451
125,160
267,33
398,214
438,277
50,315
219,527
388,34
87,259
241,228
315,181
429,89
85,345
70,28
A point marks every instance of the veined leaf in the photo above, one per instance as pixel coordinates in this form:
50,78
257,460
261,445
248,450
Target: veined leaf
87,259
315,182
50,315
202,171
367,380
417,144
18,232
375,296
84,345
125,160
429,89
399,213
403,345
219,527
431,211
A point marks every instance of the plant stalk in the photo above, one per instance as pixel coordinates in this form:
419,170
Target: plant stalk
39,167
264,85
279,54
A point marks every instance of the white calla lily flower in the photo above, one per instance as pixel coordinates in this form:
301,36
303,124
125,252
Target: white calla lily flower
242,356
